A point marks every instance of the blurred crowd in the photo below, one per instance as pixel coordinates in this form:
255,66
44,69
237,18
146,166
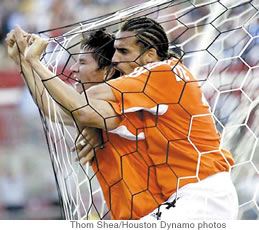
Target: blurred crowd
39,15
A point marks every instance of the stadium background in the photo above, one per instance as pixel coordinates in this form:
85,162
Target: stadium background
27,183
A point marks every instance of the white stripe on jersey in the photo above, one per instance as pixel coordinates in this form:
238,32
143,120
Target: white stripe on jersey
157,110
122,131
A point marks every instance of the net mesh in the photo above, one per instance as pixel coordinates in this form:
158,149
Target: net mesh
218,41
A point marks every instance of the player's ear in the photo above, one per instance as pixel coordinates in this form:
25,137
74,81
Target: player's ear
151,55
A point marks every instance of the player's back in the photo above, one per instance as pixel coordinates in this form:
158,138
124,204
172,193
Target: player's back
182,142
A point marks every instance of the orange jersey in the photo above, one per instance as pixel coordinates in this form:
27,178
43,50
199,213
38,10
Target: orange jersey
167,138
129,194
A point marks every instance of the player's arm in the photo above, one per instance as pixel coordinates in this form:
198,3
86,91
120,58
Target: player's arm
34,83
86,110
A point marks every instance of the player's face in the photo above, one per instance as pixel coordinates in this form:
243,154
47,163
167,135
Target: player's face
86,70
128,55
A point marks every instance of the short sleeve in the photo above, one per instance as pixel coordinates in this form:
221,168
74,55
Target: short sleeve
131,126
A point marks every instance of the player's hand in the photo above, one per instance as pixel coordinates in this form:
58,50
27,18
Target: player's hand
88,141
31,45
13,52
20,37
36,46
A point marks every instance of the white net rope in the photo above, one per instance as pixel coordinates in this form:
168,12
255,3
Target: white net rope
219,41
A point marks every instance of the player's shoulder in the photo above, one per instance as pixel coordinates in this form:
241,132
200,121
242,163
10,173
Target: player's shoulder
159,66
164,65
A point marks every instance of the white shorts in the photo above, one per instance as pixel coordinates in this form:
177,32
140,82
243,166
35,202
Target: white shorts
213,198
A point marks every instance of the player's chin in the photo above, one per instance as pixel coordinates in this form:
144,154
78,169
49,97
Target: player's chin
126,70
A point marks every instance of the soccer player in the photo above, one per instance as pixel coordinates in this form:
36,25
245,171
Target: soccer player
90,69
162,159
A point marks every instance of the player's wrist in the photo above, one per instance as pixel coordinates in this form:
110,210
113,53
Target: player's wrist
33,60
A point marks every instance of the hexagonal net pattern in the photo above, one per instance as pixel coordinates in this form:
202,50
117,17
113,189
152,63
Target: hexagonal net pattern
214,41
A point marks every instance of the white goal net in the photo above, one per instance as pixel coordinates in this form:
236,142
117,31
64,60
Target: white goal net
219,43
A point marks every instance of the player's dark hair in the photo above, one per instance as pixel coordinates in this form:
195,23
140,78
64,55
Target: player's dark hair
101,44
150,34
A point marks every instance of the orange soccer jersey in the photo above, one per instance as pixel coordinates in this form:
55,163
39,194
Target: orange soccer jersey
167,138
125,173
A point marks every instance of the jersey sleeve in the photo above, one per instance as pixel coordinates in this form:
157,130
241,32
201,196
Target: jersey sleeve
131,126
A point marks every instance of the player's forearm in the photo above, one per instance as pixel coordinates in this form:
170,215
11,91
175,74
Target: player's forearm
35,86
39,93
86,111
62,93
